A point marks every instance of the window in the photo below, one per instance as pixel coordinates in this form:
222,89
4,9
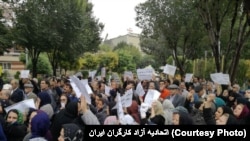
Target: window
6,66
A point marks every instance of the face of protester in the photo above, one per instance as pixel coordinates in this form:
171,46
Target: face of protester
175,119
162,86
247,94
43,85
14,84
218,113
238,109
173,91
222,120
67,89
30,118
61,137
12,117
225,93
151,85
28,89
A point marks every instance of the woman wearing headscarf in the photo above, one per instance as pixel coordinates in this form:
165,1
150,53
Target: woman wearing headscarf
157,116
133,110
241,112
67,115
181,116
32,113
222,116
70,132
14,128
43,103
168,108
39,127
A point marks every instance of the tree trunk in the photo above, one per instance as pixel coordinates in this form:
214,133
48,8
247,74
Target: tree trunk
234,64
34,67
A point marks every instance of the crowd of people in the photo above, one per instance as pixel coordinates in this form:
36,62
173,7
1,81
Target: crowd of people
60,115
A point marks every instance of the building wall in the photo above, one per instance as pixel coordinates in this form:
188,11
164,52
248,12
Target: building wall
130,38
11,64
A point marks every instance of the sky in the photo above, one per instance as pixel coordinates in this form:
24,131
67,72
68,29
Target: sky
117,16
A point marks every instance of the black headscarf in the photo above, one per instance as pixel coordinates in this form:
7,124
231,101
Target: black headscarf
71,109
72,132
45,98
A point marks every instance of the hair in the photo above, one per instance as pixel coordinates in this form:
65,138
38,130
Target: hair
46,81
68,84
19,115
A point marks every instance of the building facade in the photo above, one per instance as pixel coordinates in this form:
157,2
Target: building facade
130,38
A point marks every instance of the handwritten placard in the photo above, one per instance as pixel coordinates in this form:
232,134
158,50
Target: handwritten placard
169,69
151,96
139,90
24,73
188,77
129,75
220,78
116,77
145,74
126,99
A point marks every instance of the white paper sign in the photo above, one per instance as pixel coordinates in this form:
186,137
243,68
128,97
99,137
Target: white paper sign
120,111
81,87
139,90
22,106
103,72
126,99
188,77
85,81
99,78
129,75
169,69
24,73
226,79
78,74
107,90
220,78
151,96
76,90
116,78
86,84
145,74
92,74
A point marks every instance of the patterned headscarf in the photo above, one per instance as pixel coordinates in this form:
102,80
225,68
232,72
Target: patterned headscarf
72,132
19,116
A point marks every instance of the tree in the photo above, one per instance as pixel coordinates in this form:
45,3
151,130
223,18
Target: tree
130,49
63,29
89,61
219,16
169,26
43,65
5,35
31,29
125,63
78,30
